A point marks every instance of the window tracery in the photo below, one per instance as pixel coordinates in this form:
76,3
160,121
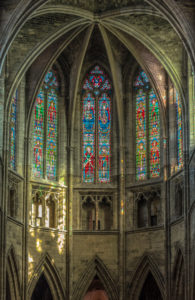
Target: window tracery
97,212
13,194
148,205
48,208
179,197
96,127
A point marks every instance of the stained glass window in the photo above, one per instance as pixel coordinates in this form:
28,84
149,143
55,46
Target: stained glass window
154,135
141,150
179,132
13,120
96,127
147,129
45,129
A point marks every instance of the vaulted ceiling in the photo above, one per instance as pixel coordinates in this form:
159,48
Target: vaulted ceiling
75,32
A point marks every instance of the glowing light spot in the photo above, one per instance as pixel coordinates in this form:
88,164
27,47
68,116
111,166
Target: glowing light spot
30,266
52,234
32,233
30,259
61,242
38,245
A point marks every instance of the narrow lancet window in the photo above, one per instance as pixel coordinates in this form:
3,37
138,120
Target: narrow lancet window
45,129
147,129
96,127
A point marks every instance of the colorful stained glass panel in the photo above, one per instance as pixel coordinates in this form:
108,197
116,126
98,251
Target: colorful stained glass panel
38,135
96,141
154,135
179,132
142,81
88,148
104,131
141,151
13,119
50,80
52,136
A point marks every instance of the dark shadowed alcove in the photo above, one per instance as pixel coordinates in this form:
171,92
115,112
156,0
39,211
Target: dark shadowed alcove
42,290
150,290
8,295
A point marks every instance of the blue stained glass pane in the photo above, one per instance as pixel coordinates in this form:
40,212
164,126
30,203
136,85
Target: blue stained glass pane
87,85
106,86
50,80
142,81
96,70
88,147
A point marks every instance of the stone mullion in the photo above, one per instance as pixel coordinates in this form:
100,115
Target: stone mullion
27,196
96,139
69,244
167,204
147,136
4,210
186,144
96,213
120,111
122,257
175,115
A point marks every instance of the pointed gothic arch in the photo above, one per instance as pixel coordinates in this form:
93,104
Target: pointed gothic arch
47,268
150,289
12,275
178,277
96,267
42,289
145,267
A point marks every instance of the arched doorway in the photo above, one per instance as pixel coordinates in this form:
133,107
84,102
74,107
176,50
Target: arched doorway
150,289
42,290
96,291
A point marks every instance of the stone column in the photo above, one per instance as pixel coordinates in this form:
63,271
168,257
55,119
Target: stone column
27,199
69,244
122,224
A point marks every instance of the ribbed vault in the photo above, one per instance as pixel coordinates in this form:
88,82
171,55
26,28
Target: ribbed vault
54,25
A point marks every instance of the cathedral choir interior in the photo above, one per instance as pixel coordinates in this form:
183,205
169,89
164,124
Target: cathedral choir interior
97,150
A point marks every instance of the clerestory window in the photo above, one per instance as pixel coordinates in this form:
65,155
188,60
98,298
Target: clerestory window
96,127
147,124
45,129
